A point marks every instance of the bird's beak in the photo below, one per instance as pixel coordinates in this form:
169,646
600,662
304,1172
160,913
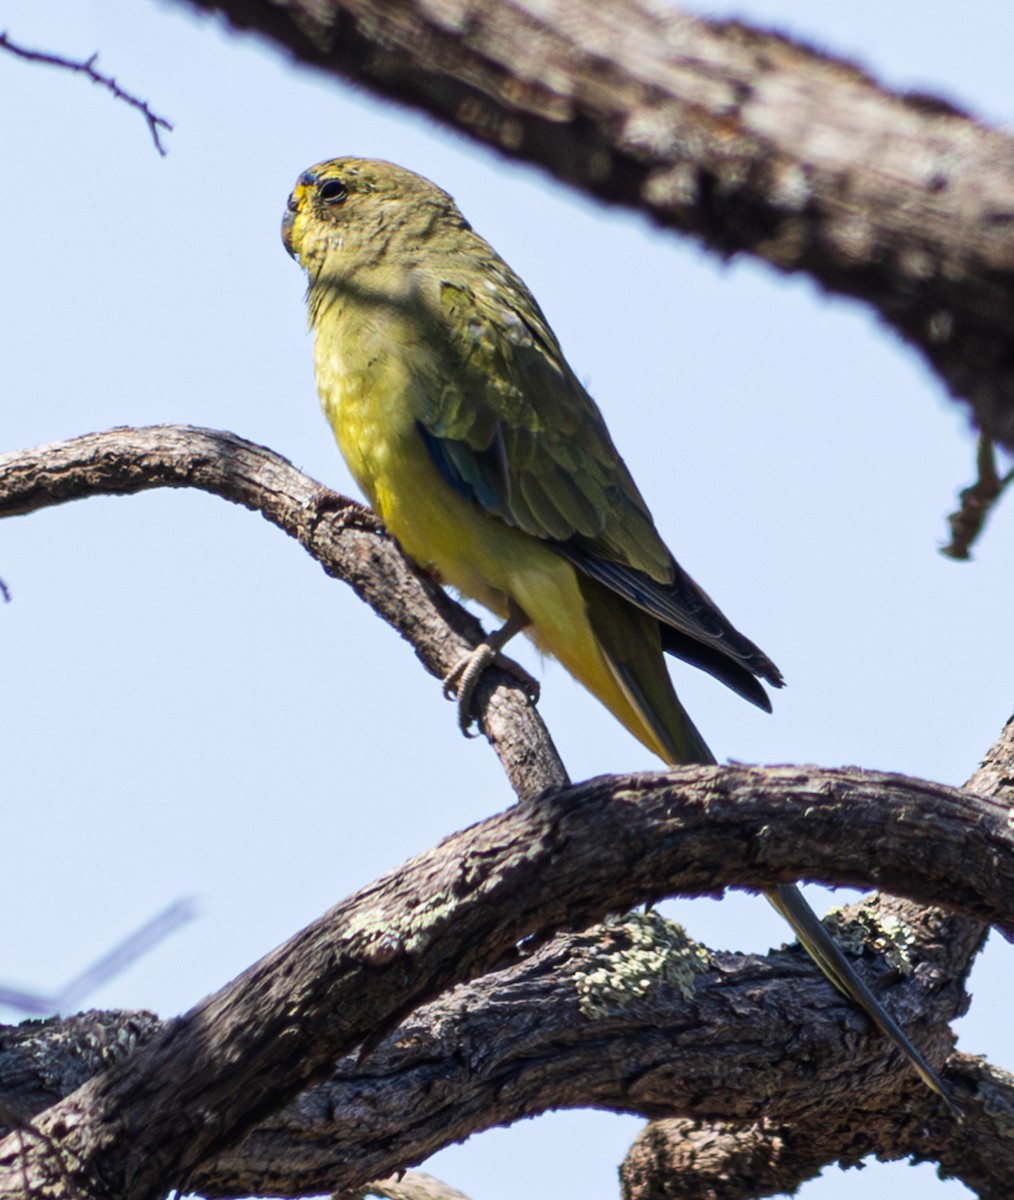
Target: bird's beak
289,223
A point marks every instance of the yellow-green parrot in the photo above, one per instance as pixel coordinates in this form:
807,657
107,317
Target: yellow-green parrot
462,422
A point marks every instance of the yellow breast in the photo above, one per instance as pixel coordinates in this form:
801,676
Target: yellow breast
373,404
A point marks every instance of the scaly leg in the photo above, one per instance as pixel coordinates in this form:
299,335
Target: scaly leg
463,678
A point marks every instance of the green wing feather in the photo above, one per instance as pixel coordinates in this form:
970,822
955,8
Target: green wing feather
513,429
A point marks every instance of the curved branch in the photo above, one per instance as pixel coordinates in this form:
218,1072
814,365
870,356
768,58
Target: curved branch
745,140
683,1159
630,1016
344,537
564,859
687,1157
350,544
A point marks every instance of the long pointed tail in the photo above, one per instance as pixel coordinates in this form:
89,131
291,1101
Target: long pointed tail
825,952
651,710
809,929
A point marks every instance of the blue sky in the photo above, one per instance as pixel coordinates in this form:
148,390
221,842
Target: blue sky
197,710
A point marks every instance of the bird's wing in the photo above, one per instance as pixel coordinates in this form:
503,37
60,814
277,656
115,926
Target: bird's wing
519,433
512,428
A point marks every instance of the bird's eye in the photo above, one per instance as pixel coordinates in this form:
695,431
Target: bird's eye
333,191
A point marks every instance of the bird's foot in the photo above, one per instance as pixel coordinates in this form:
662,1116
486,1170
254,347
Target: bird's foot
463,678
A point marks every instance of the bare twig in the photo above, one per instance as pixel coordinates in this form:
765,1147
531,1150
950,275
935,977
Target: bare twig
87,67
977,502
110,964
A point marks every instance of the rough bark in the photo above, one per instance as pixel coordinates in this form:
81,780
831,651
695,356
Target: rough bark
759,1072
745,140
717,1161
559,860
344,537
630,1016
562,860
683,1159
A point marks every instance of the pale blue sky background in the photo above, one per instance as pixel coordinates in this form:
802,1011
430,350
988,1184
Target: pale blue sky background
192,708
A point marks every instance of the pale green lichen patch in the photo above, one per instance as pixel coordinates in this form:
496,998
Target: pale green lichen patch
371,938
636,953
376,933
885,936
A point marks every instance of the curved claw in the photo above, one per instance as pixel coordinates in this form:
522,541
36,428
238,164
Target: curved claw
463,678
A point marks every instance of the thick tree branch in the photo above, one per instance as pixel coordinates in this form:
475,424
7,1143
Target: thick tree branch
343,536
564,859
630,1016
682,1159
768,816
743,139
749,143
687,1157
351,545
347,540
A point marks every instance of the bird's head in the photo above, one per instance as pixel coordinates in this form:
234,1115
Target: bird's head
358,206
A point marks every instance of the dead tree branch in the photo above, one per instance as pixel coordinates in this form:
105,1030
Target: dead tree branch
343,536
581,1034
562,860
559,861
630,1016
683,1159
745,140
977,501
686,1157
87,67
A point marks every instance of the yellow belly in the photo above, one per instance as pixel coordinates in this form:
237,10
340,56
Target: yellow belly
457,541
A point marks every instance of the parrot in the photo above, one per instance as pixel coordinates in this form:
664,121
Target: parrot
474,441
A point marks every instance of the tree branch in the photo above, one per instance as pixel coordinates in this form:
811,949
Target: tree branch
684,1159
750,143
344,537
747,141
87,67
977,501
630,1016
564,859
409,1185
687,1157
351,545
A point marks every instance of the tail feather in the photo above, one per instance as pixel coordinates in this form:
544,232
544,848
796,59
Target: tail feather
825,952
678,736
631,643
